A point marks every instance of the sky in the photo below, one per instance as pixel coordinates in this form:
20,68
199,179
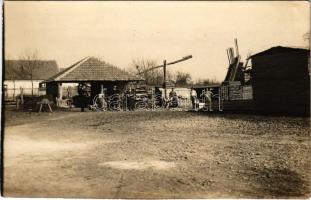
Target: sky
119,32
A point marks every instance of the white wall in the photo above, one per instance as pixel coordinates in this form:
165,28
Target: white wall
184,92
13,88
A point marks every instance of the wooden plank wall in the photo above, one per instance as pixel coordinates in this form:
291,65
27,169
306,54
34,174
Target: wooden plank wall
281,83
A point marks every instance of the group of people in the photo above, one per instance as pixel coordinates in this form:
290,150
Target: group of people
206,97
173,99
84,98
117,100
129,98
170,102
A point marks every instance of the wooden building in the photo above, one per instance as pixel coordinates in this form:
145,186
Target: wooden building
26,74
93,71
281,81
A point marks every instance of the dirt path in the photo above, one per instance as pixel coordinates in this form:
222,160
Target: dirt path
156,155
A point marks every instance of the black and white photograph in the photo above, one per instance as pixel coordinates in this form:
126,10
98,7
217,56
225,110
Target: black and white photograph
156,99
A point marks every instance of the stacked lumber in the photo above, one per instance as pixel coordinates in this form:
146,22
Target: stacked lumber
247,92
235,90
232,90
235,69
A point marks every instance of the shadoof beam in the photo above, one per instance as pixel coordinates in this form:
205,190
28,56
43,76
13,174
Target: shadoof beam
164,69
171,63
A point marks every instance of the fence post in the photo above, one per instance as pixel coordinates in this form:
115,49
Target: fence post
153,99
14,90
22,94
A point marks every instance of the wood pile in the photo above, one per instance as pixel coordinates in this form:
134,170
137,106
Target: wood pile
247,92
235,90
235,69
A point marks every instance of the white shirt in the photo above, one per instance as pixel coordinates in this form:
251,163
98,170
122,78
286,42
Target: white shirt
208,94
193,93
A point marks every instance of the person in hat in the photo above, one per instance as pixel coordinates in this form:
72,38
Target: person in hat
130,99
84,95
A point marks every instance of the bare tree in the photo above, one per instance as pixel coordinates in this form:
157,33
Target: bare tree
182,79
30,62
152,77
206,81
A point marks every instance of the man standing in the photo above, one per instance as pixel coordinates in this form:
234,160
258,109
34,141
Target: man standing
208,98
193,95
114,90
130,99
83,95
159,100
69,97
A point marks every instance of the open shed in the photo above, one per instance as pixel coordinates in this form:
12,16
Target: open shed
93,71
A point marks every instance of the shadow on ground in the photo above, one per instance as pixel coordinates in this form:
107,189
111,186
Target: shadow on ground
251,113
282,183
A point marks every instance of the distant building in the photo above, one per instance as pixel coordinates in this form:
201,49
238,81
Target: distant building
18,74
281,80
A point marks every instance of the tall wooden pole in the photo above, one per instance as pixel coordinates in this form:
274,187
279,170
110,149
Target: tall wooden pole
164,69
228,54
164,79
236,47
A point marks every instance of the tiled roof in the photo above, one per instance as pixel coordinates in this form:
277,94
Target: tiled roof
20,69
92,69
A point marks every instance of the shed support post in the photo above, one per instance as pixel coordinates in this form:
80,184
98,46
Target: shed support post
60,93
164,79
101,88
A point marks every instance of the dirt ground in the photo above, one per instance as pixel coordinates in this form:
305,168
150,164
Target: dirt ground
155,154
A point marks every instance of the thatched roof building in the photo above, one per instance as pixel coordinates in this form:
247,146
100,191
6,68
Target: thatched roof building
27,69
26,74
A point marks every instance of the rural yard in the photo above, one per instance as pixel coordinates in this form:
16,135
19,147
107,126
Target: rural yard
155,154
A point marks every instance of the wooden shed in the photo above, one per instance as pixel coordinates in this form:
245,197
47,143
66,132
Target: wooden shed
93,71
281,81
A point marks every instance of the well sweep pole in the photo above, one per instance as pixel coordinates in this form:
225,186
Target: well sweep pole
164,79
